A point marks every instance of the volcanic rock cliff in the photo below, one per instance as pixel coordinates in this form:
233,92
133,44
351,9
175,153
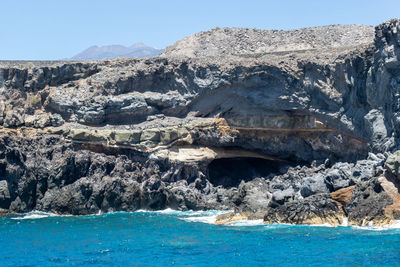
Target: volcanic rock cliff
289,126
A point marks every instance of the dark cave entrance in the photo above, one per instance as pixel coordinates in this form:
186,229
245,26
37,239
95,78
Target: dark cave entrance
229,172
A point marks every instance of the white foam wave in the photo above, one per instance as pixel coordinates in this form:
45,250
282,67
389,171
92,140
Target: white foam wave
34,215
207,216
202,219
395,225
246,223
280,225
321,225
371,227
191,215
166,211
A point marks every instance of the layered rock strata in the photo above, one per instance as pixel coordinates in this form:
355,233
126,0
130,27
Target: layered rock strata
284,126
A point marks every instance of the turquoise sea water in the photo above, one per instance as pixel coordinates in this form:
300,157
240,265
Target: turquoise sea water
183,239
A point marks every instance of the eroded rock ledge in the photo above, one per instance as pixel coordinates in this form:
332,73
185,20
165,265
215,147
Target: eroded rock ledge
289,134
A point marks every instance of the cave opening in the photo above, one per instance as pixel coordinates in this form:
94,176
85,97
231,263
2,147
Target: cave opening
229,172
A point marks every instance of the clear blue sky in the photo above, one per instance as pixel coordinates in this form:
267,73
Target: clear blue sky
54,29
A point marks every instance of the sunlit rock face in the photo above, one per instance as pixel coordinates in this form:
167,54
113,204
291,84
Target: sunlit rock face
275,121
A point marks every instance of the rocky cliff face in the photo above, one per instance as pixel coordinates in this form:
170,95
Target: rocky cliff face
290,126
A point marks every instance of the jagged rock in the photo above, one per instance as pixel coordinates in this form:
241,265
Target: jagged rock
316,209
344,195
2,112
368,204
43,120
340,176
392,164
282,196
4,194
391,189
313,185
14,118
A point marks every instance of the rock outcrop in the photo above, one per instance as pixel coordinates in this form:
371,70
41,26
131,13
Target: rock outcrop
254,43
392,164
285,126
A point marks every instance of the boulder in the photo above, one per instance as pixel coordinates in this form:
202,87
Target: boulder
392,164
343,196
14,118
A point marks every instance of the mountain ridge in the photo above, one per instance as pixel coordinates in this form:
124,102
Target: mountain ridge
136,50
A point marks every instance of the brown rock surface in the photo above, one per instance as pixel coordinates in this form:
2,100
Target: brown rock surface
344,195
391,211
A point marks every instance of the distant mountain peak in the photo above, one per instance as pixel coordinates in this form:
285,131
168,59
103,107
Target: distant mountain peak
139,45
137,50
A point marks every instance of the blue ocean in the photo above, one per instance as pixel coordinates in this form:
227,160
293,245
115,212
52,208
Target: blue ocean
187,239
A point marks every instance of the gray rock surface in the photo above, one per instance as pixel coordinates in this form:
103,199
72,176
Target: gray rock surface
392,164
